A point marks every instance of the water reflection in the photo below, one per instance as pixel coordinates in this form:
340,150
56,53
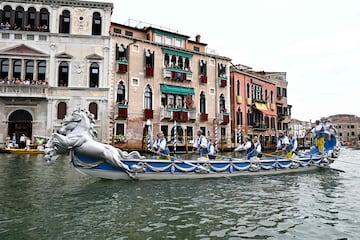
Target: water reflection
56,202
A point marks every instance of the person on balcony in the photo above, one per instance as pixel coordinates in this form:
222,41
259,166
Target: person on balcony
161,147
200,144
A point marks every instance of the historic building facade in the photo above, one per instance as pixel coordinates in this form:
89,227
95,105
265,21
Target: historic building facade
54,57
254,112
163,81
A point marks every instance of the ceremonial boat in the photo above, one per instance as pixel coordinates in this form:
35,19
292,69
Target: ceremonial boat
77,139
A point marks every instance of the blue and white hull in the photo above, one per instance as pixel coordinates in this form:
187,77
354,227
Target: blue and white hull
153,169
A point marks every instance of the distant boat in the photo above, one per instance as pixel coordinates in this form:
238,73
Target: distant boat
23,151
105,161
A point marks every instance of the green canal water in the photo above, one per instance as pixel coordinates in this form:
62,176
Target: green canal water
56,202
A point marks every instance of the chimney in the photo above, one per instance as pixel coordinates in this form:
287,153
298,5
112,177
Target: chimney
197,38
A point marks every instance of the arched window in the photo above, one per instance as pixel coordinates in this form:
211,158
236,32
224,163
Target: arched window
93,108
179,101
29,70
166,60
248,90
4,69
7,15
17,69
94,75
222,103
96,24
238,88
64,22
202,102
31,16
271,97
63,77
42,70
120,95
266,95
44,20
61,110
148,97
19,18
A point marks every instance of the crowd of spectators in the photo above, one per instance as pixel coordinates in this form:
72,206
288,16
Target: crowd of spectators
17,81
28,27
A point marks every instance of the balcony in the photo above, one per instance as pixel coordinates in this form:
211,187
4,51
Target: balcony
223,83
177,114
239,99
224,118
21,90
122,111
203,79
122,66
148,114
203,117
281,117
272,106
177,74
149,71
259,127
249,101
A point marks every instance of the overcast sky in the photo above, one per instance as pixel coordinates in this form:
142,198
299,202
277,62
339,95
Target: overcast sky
317,43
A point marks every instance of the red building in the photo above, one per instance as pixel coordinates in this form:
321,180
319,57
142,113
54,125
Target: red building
253,99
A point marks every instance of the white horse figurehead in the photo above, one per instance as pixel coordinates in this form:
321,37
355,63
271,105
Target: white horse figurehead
75,127
80,120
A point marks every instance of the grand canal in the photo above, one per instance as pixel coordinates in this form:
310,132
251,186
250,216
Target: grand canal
56,202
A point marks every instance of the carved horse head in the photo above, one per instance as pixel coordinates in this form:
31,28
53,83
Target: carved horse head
79,120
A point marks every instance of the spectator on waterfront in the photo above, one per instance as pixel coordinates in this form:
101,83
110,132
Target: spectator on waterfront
246,146
22,144
13,140
256,150
28,143
284,145
319,132
211,147
200,144
294,142
161,147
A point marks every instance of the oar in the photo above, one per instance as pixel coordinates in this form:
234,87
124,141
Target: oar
191,164
321,166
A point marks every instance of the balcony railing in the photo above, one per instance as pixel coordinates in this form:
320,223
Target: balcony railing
122,66
22,90
224,118
122,111
259,127
148,114
203,117
177,114
203,79
149,71
177,74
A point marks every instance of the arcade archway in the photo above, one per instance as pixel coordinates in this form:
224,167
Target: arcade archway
20,121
